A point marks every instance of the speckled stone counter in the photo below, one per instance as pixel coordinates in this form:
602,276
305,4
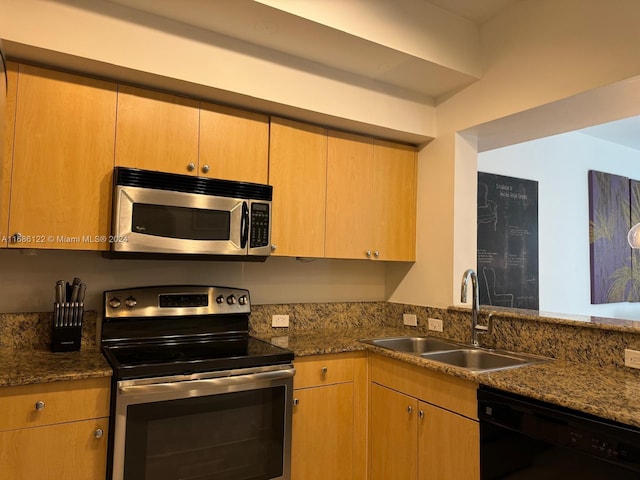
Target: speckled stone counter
25,356
42,366
587,372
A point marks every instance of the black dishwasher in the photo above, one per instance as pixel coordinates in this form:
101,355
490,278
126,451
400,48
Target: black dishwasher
526,439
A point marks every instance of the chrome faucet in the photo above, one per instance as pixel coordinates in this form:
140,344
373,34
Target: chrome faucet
475,306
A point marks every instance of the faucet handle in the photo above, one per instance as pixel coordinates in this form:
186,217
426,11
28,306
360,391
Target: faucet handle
488,328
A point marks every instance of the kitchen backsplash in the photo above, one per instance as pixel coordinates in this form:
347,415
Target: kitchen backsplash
22,331
598,341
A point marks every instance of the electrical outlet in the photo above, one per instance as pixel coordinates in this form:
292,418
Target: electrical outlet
632,358
280,321
410,320
435,324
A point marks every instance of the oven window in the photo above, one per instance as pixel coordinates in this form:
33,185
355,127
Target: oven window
180,222
232,436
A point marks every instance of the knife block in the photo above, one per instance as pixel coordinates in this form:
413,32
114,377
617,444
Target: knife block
67,326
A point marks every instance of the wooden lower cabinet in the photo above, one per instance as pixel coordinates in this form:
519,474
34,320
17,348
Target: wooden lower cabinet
448,445
393,432
323,432
67,450
422,424
54,430
329,418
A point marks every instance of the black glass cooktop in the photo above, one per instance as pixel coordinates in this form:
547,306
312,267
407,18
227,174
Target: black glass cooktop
174,357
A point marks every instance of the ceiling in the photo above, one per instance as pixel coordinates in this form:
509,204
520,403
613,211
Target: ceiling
624,132
364,39
477,11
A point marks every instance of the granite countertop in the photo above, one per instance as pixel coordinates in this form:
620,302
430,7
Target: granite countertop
24,367
607,392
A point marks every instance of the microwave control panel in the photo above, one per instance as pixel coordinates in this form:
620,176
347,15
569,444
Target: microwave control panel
259,236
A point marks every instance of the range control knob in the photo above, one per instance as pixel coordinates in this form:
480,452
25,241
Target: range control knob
114,302
130,302
243,300
231,300
220,299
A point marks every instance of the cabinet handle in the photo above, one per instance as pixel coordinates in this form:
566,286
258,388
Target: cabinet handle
368,253
376,253
40,405
296,402
98,433
273,247
409,409
421,413
205,169
191,167
323,371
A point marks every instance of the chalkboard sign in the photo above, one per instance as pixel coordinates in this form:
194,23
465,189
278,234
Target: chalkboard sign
508,241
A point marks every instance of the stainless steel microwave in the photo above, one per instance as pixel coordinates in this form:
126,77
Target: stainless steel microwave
157,213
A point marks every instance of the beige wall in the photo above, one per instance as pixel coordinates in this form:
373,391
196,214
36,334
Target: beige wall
536,53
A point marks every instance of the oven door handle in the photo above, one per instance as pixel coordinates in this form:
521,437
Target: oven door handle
195,387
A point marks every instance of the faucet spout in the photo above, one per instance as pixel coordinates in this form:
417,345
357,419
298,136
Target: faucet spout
471,274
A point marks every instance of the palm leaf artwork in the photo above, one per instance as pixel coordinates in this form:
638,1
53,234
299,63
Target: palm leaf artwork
634,186
612,276
625,285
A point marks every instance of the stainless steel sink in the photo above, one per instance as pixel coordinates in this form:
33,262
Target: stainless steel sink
415,345
456,354
478,359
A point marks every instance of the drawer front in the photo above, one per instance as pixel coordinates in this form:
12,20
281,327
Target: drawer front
56,402
318,370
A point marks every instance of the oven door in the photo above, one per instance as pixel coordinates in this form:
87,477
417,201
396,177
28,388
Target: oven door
232,425
162,221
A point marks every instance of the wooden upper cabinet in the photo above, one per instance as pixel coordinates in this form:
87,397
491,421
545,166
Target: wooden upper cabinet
234,144
371,199
350,214
394,200
62,160
7,154
298,174
157,131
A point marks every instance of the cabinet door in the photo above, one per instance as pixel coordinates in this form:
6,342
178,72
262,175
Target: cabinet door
322,445
73,451
7,154
234,144
298,174
393,433
62,161
449,445
156,131
394,189
350,196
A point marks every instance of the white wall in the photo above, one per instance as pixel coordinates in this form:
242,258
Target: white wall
27,281
560,164
535,53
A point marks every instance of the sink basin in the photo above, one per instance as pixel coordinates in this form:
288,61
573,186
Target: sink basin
416,345
478,360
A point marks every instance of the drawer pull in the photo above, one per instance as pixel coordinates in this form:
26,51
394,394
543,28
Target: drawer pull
40,405
409,409
98,433
323,371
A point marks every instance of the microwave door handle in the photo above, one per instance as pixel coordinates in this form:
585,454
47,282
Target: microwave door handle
244,225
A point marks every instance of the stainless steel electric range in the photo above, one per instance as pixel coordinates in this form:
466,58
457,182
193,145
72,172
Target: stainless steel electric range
194,396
